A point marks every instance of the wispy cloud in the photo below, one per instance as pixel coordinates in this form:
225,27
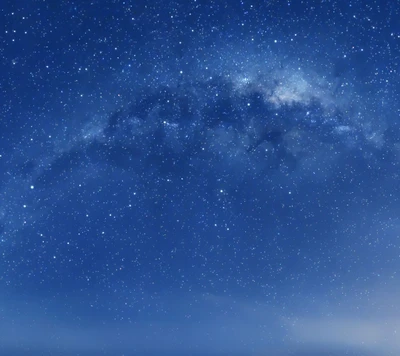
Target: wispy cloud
217,325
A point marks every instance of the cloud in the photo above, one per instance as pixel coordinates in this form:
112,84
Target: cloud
214,325
372,335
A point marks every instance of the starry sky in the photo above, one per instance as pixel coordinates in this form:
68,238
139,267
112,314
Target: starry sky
197,177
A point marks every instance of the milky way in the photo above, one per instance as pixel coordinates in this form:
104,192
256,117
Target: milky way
200,178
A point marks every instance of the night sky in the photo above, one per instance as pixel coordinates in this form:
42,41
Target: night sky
198,177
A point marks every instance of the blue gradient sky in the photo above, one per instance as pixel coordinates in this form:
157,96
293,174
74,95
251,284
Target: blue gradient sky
199,178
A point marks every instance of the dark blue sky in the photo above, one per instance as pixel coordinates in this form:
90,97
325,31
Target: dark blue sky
199,178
